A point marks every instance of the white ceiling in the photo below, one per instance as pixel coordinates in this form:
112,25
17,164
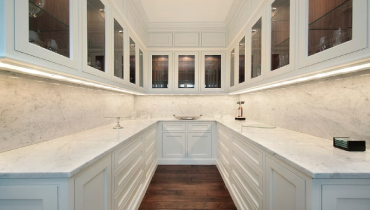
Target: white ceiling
187,11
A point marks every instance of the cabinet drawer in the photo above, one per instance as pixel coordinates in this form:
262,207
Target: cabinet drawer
244,198
174,127
251,154
200,127
125,153
343,197
123,177
124,197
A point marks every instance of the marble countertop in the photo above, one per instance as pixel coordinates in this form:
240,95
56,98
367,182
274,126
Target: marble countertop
66,156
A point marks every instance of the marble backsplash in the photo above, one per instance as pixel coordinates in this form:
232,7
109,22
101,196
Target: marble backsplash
206,105
34,109
336,106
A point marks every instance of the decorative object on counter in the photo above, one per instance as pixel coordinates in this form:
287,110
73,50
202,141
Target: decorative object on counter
348,144
239,115
118,126
187,117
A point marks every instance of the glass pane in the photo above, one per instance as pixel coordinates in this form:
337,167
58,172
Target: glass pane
141,69
232,68
49,25
242,60
132,62
280,31
186,71
160,71
330,24
96,34
118,50
212,71
256,49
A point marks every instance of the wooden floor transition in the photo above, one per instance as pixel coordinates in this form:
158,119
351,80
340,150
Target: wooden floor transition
187,187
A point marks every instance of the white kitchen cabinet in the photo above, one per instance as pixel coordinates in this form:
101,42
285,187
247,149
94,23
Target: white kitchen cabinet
46,33
199,145
280,37
284,189
186,143
343,197
160,72
93,186
96,45
119,42
186,72
331,29
212,71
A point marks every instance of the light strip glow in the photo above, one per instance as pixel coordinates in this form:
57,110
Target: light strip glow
302,79
63,78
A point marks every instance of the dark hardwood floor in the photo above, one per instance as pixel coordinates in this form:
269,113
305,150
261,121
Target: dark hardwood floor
187,187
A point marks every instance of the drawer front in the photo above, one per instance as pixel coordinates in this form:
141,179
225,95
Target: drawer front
249,171
223,165
343,197
244,198
174,127
126,174
199,126
123,199
224,161
126,152
253,155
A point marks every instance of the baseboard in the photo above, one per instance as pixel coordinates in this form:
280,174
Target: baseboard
145,187
205,161
234,197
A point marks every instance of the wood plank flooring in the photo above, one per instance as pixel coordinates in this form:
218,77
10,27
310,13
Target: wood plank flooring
187,187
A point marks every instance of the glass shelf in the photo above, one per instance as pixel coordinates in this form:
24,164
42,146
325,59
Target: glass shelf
330,29
47,31
256,51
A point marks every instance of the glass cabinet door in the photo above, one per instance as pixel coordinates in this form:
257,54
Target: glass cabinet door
48,29
186,74
95,43
160,69
256,49
331,28
118,34
232,70
132,61
242,60
280,33
212,71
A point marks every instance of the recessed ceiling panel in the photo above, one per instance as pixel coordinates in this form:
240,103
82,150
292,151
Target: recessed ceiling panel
187,11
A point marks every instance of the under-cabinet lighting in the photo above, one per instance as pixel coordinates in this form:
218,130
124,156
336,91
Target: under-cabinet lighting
273,8
120,32
63,78
305,78
254,30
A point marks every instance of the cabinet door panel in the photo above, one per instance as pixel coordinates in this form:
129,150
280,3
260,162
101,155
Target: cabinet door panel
93,187
173,145
284,189
199,145
344,197
200,127
174,127
28,197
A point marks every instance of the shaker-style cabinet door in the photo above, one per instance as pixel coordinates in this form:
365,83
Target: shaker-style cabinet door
199,145
283,189
173,145
160,75
212,72
48,30
330,29
186,72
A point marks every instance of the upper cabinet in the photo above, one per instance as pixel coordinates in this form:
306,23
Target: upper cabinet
160,72
212,72
132,61
331,28
119,41
48,30
281,39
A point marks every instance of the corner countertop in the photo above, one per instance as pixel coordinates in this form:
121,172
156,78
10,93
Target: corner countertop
66,156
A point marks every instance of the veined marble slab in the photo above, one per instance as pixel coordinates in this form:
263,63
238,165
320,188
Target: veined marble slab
64,157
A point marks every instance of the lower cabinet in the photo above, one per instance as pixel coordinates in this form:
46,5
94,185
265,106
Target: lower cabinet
117,181
284,189
257,180
186,143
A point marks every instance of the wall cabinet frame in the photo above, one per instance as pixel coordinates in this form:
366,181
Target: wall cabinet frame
203,71
153,86
194,56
